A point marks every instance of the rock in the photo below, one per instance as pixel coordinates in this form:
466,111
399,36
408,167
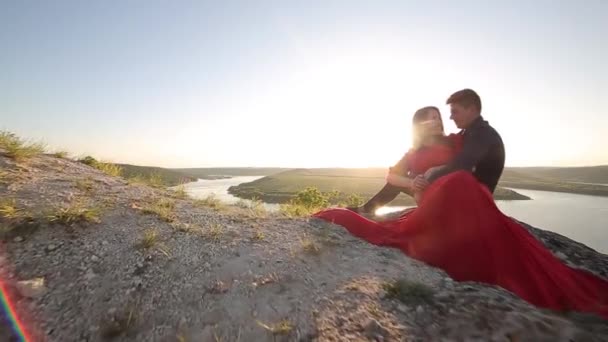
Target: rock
94,258
137,282
207,334
104,243
32,288
442,296
212,317
51,247
140,268
89,275
183,322
402,308
373,329
18,239
419,309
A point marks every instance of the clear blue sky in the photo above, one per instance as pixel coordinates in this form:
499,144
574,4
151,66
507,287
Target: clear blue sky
300,83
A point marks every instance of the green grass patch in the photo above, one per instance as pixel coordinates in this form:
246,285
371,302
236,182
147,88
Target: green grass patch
409,292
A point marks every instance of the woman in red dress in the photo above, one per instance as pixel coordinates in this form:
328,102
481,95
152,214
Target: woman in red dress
458,227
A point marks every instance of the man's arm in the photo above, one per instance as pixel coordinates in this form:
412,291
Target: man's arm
475,147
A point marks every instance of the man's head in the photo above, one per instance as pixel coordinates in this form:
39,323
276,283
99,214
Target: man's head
465,107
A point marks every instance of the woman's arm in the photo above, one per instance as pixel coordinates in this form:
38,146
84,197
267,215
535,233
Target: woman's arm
401,167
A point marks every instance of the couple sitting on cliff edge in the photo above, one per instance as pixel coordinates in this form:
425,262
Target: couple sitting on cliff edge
457,226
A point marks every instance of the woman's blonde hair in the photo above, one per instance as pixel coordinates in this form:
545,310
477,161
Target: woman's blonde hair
419,116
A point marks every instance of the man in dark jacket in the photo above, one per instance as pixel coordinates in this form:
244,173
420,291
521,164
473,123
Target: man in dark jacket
483,151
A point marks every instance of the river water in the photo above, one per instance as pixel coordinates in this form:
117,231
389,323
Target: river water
580,217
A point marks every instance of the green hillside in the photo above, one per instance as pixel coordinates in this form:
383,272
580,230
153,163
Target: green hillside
167,176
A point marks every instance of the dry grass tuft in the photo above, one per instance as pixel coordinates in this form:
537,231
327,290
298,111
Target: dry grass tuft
163,208
9,210
61,154
258,235
210,201
309,246
150,240
74,213
19,149
109,169
284,327
215,232
85,185
180,192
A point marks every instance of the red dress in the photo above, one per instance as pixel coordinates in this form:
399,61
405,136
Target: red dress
457,227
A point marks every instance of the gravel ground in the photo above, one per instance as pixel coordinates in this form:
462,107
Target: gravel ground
232,274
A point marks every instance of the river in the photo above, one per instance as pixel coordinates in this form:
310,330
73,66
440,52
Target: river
580,217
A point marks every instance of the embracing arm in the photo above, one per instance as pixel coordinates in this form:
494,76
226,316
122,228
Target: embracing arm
473,150
397,176
400,181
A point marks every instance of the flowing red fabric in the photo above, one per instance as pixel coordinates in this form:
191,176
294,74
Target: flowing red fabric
458,227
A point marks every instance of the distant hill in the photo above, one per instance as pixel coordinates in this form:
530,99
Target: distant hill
585,174
169,177
281,187
577,180
211,172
